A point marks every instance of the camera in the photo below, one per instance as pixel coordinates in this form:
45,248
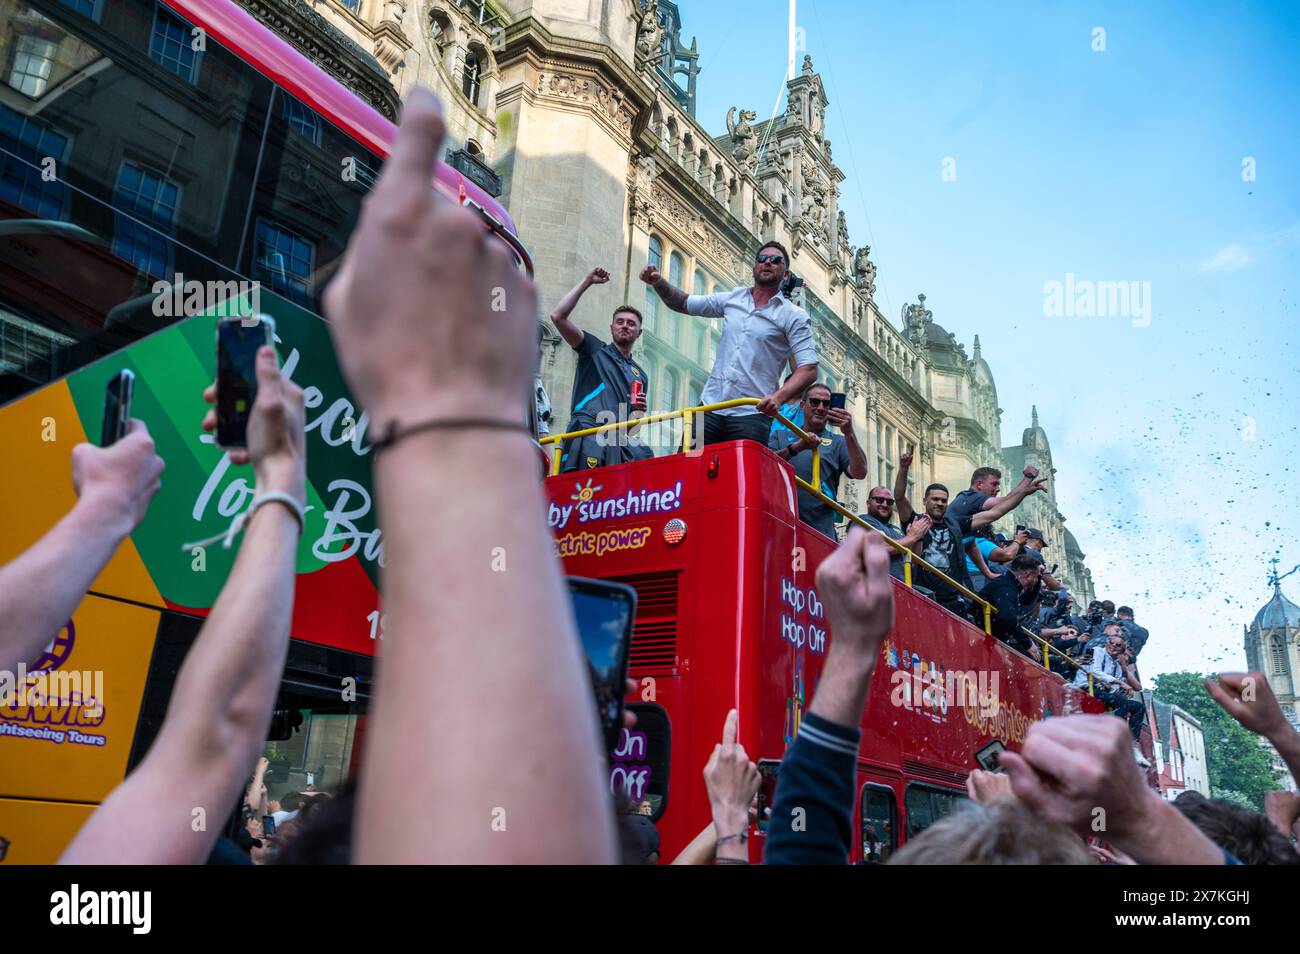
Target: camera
790,283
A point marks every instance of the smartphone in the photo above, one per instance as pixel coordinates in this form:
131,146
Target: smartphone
837,399
268,825
987,757
605,613
237,342
117,407
767,769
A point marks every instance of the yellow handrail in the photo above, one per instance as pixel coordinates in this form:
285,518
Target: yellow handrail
1049,648
813,487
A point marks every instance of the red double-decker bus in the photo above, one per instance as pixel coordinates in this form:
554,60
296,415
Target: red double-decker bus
729,617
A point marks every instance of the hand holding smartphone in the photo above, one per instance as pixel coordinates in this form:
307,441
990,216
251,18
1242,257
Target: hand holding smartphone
117,407
605,613
238,341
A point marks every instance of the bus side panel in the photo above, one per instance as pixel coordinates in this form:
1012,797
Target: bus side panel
36,832
68,733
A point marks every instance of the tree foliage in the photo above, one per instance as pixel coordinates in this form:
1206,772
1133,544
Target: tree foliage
1236,760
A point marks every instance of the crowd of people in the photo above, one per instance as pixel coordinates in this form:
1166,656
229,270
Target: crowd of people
440,733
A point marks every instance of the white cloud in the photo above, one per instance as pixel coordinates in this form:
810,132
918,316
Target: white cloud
1227,259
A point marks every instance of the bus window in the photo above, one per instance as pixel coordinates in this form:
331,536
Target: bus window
125,163
879,824
311,180
926,805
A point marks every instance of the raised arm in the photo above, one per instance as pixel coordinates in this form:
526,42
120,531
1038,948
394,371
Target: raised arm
1021,489
216,722
673,297
1248,698
42,587
570,332
1006,504
455,696
904,505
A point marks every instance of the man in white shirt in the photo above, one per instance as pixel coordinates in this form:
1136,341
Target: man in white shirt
761,331
1115,681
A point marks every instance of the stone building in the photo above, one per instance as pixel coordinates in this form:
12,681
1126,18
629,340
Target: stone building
584,110
1273,648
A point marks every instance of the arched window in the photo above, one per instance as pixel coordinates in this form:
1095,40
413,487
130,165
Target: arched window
701,284
471,81
652,303
670,322
668,394
1277,655
473,148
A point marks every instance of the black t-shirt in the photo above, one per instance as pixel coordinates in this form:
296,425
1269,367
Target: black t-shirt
942,548
602,383
967,503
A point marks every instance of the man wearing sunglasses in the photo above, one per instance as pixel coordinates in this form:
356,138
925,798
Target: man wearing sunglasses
761,331
840,455
880,514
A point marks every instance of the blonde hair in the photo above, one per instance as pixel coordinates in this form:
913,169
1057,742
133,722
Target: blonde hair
1003,832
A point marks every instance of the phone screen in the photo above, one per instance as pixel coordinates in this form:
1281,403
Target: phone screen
237,345
117,407
837,400
767,769
605,613
268,824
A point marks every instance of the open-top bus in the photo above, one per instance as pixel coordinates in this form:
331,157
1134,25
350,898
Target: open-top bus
729,617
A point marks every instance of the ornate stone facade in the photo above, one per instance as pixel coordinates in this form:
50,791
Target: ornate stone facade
591,125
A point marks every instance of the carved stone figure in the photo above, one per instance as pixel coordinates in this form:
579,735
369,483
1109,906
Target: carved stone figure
915,318
744,140
807,65
842,230
649,33
794,108
864,270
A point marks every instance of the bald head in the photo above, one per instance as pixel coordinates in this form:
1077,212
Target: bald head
880,504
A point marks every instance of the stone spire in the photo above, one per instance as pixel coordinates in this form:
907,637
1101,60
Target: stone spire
977,347
1034,416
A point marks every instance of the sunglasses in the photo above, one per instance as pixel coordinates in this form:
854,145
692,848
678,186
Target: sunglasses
774,259
883,500
817,402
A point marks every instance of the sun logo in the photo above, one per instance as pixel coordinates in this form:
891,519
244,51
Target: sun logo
585,493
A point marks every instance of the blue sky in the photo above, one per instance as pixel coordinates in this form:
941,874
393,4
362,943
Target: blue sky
1175,441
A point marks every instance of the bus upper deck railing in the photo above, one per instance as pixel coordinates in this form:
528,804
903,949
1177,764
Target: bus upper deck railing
689,415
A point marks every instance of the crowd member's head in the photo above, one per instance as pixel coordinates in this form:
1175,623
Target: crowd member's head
625,326
1248,835
880,504
1025,569
986,480
1094,609
936,502
816,407
1035,540
1125,612
1108,607
325,837
1000,832
771,262
1114,640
